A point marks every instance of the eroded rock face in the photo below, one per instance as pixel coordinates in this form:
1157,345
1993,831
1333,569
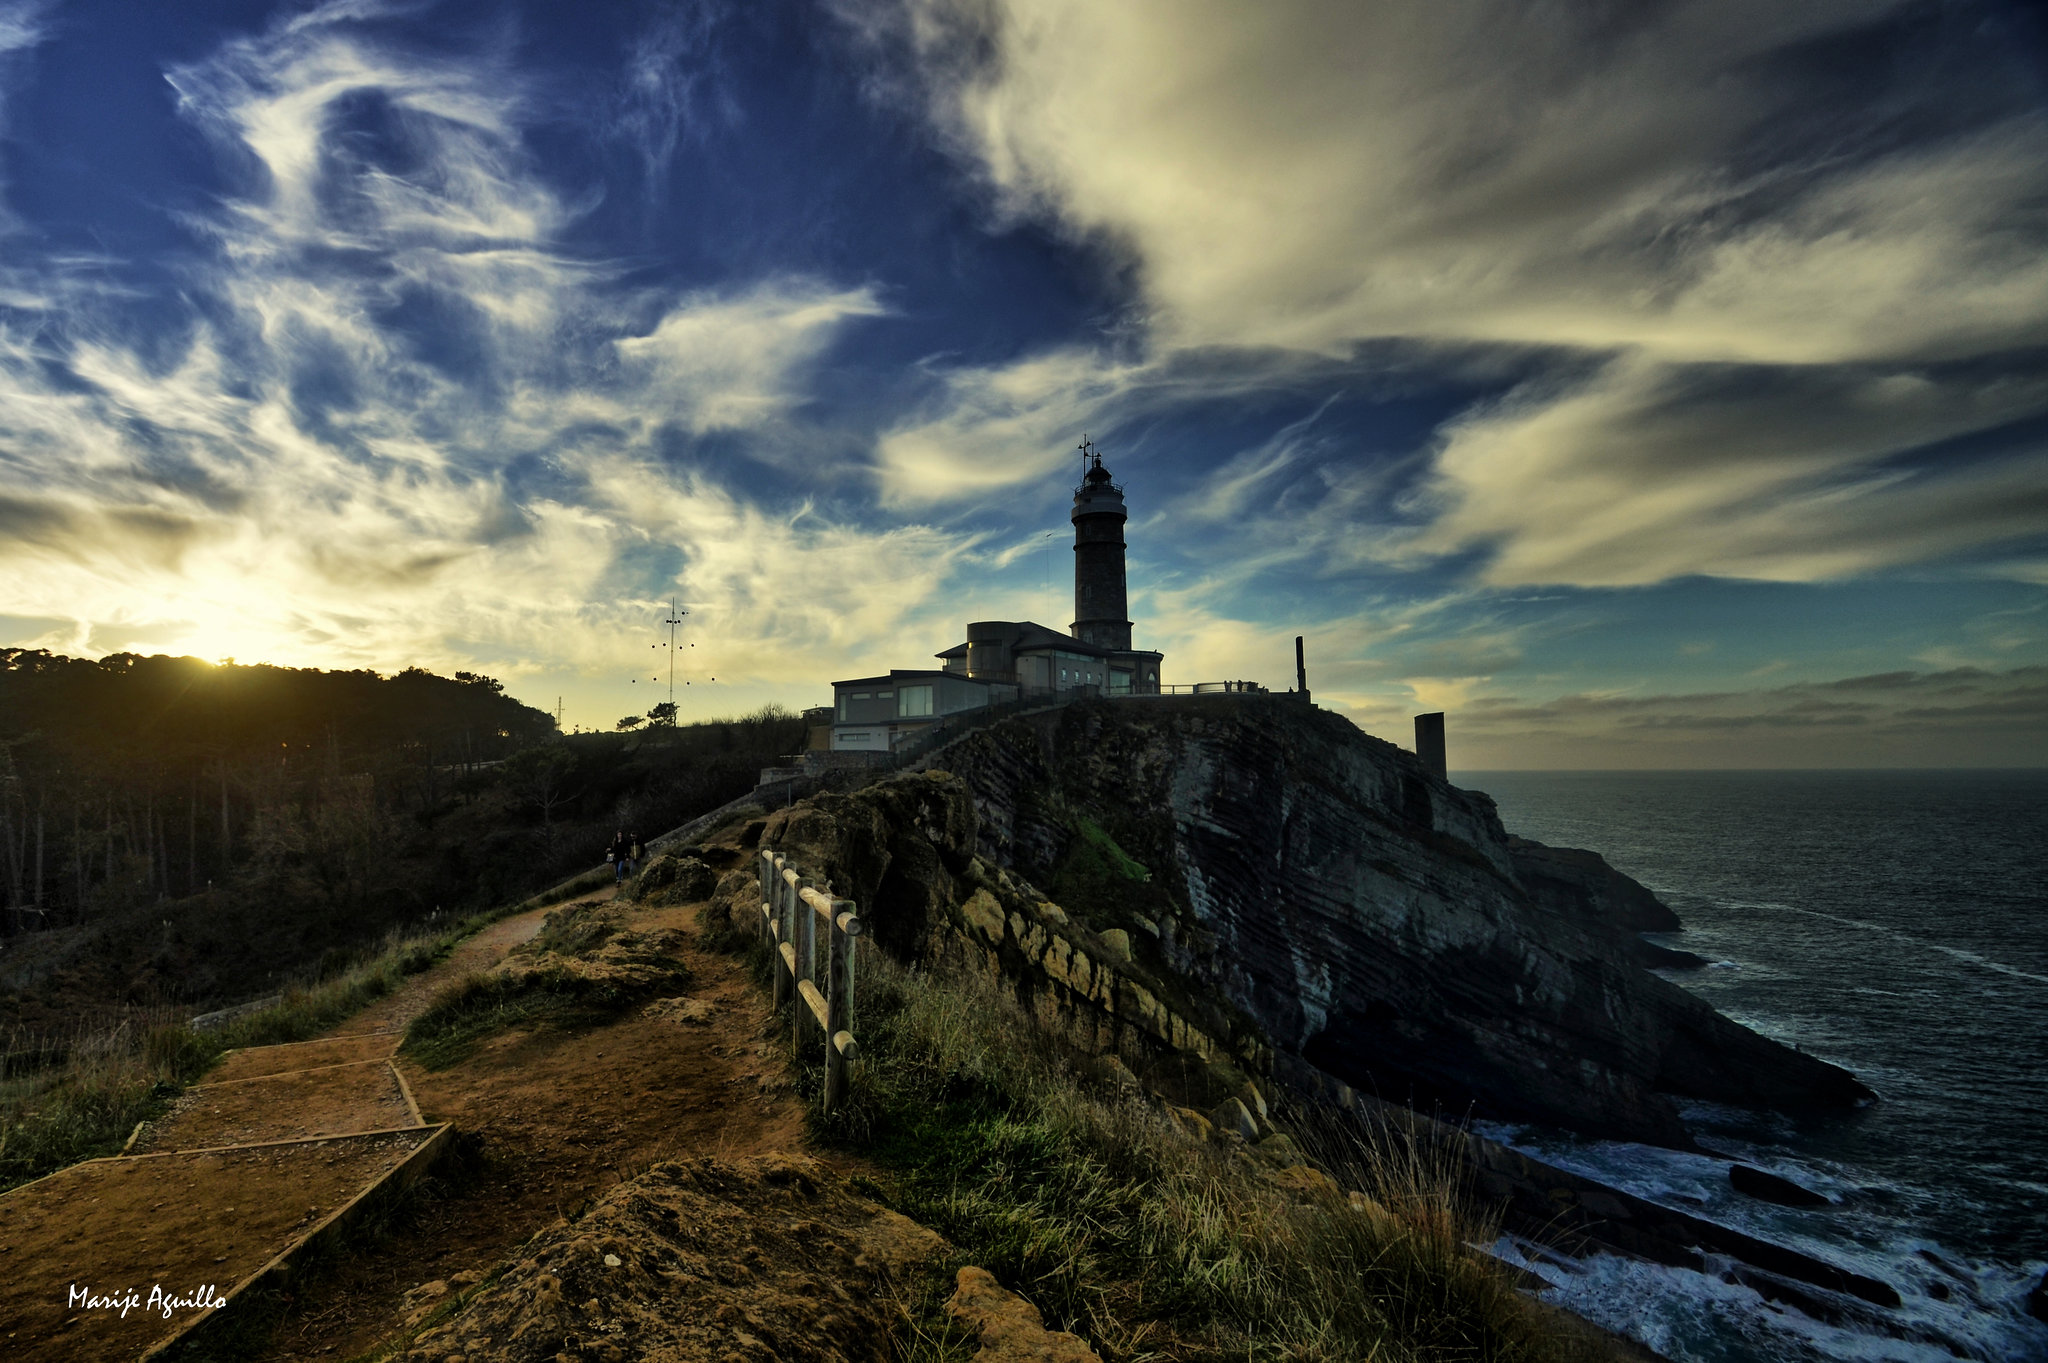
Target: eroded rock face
896,848
1376,921
1580,885
699,1260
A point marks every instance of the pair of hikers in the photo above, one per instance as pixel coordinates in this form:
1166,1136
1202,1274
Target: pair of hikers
623,854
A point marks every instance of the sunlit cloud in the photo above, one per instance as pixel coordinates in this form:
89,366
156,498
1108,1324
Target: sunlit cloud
324,471
1651,472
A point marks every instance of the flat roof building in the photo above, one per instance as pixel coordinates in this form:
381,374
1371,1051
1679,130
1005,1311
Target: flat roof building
1003,660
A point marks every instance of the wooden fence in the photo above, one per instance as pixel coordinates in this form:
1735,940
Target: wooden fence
790,910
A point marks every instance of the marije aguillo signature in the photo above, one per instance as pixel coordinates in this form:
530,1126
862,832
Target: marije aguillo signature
123,1300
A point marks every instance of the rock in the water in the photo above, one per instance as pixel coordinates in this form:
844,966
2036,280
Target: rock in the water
2037,1300
1770,1187
1653,957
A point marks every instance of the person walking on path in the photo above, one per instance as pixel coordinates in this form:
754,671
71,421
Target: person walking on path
620,855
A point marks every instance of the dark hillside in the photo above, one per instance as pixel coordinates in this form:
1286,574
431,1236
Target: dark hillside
177,832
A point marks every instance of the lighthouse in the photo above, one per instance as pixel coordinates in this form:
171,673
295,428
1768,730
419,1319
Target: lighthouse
1012,660
1101,608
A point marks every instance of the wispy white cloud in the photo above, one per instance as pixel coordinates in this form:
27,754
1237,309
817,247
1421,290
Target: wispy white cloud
1662,188
672,90
406,425
1650,472
996,426
1316,173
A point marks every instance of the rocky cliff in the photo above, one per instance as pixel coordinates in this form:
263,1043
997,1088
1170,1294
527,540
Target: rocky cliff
1256,879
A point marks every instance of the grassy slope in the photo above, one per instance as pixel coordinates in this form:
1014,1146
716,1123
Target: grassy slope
1147,1243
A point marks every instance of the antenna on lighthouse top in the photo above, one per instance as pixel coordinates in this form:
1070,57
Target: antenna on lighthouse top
1088,453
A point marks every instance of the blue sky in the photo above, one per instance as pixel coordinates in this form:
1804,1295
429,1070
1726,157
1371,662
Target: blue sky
1649,385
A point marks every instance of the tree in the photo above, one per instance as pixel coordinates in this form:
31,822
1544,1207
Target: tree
663,714
630,722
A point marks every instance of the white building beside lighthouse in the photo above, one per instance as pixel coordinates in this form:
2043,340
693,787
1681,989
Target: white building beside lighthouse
1004,660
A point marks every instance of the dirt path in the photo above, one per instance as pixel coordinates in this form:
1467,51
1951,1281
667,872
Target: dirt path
274,1140
560,1117
480,952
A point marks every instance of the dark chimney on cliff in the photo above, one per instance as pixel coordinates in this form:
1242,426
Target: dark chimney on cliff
1300,669
1429,743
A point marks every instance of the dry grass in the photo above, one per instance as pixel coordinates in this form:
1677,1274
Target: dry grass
1147,1243
101,1081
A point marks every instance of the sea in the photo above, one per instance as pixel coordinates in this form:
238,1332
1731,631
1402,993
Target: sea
1894,923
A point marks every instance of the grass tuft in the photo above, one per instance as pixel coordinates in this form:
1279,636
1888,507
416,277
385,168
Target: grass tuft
1140,1240
479,1006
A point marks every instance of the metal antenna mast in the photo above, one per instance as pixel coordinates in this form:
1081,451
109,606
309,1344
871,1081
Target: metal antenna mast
675,617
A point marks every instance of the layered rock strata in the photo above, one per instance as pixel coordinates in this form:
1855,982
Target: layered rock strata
1280,879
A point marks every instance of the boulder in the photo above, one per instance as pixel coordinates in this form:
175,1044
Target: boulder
1769,1187
1113,1071
1010,1328
1308,1182
1232,1119
676,878
1190,1123
2037,1300
898,849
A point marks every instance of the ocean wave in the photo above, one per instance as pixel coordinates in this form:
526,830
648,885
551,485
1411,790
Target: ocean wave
1954,953
1708,1317
1951,1304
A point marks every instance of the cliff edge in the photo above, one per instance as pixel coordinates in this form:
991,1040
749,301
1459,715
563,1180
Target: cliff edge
1256,877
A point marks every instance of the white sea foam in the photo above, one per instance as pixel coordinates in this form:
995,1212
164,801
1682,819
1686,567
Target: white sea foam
1692,1317
1955,953
1696,1318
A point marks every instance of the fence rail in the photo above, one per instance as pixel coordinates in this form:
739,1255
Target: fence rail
791,908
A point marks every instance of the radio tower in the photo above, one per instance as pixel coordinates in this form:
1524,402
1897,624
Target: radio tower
675,617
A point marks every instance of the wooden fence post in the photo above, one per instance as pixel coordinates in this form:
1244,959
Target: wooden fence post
844,931
778,900
806,939
790,910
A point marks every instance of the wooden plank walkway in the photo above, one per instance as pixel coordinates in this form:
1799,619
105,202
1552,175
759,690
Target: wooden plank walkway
279,1149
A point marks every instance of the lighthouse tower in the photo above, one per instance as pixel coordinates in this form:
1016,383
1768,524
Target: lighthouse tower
1101,610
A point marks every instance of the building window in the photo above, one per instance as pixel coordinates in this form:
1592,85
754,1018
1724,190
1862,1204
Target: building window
913,702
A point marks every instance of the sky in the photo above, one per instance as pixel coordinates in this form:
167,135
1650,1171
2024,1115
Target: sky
1644,385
